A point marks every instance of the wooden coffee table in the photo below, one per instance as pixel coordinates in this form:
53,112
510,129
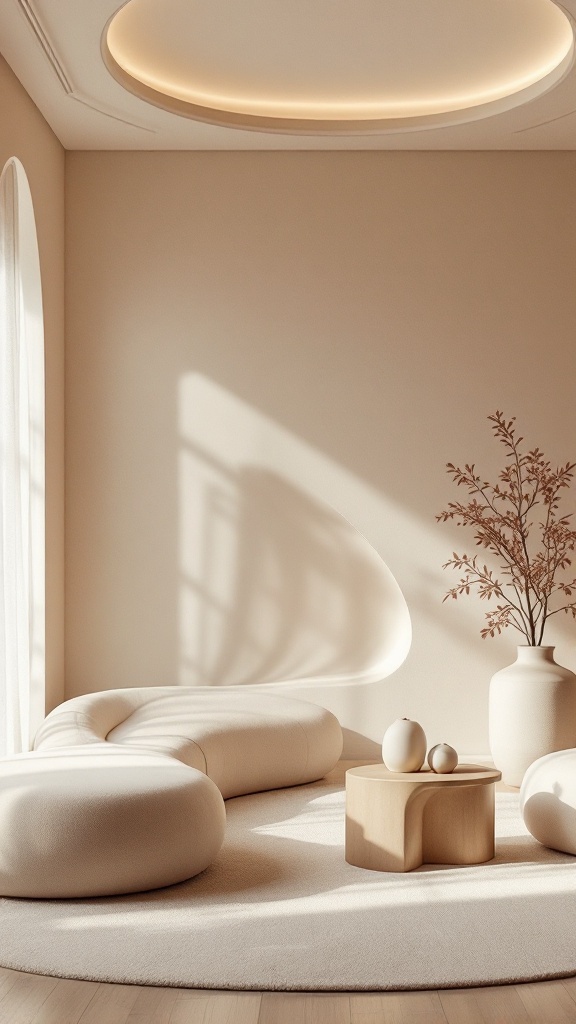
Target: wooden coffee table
397,821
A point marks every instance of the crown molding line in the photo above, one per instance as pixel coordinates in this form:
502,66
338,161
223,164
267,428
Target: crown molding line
49,50
87,102
569,113
542,124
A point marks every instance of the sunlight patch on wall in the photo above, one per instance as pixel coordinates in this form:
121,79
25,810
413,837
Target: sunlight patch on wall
273,584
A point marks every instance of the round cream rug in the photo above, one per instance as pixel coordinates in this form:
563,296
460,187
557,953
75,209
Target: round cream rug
281,909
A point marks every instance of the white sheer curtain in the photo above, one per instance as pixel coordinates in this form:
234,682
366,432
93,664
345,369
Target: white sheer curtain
22,573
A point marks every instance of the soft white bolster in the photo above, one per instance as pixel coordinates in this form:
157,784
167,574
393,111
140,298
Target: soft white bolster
548,800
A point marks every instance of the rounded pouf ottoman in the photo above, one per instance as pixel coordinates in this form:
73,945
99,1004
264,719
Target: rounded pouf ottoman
548,800
102,820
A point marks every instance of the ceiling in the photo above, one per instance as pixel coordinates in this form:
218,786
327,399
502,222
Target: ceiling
298,74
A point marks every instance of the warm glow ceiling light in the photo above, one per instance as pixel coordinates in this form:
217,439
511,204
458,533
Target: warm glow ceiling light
338,66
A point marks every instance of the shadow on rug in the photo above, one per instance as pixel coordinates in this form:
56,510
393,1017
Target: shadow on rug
281,909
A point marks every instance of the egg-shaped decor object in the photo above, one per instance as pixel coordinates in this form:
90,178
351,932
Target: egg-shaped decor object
443,758
404,746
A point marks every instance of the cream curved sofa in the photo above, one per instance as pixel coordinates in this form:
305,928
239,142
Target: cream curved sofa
125,789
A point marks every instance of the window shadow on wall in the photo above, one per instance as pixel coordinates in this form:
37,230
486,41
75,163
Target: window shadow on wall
277,586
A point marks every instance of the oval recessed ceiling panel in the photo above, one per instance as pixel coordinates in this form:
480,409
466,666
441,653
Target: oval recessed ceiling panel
338,66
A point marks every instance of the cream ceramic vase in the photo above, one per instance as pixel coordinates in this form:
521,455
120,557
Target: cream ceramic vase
532,711
404,746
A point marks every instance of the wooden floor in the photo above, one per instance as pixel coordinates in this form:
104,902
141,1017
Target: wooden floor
29,999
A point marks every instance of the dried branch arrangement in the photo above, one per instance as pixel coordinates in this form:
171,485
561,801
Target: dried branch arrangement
533,547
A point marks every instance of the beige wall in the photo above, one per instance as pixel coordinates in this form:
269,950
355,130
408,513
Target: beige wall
25,134
341,324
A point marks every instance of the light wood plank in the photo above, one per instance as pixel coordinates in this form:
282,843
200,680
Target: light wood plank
7,980
422,1008
283,1008
376,1008
549,1002
305,1008
110,1004
207,1007
66,1002
570,985
461,1006
154,1006
501,1004
327,1008
490,1005
24,998
397,1008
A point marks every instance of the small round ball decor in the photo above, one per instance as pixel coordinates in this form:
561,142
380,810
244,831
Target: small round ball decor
442,759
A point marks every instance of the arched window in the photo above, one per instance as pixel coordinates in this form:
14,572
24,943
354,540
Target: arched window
22,572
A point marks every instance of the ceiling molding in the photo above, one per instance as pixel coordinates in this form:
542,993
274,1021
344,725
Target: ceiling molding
316,127
92,105
542,124
47,46
176,56
54,48
50,51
